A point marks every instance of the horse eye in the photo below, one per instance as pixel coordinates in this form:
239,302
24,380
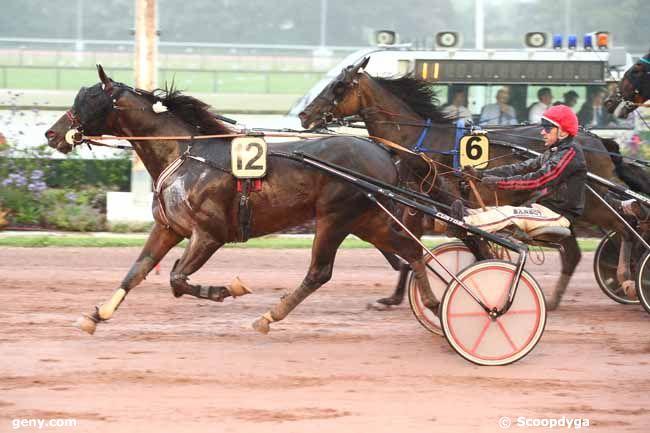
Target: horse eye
339,88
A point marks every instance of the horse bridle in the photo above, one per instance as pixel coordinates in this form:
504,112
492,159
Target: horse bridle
338,93
637,84
75,135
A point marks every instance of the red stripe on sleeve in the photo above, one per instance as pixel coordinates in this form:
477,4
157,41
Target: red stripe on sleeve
536,183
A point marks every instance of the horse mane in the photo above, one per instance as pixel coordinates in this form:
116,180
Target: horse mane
189,109
417,94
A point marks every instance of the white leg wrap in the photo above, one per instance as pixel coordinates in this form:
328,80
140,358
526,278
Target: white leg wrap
107,309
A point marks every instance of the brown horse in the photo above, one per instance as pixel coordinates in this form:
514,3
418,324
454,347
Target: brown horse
198,200
633,89
397,109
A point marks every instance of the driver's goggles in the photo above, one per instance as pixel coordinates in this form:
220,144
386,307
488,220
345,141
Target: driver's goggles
547,126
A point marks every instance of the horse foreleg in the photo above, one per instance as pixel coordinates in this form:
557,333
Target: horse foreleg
159,242
426,294
320,271
199,249
415,221
570,254
623,271
398,295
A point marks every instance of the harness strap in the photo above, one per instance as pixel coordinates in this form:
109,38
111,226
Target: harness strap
427,126
158,187
244,211
460,133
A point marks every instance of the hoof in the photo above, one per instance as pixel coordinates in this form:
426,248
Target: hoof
378,306
629,288
552,304
391,300
261,325
86,324
238,288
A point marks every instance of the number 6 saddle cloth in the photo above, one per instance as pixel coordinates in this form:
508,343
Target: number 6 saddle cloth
527,219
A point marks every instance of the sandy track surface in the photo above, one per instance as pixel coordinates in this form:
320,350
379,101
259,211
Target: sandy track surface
187,365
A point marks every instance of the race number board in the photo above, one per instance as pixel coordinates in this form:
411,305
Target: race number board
248,157
474,151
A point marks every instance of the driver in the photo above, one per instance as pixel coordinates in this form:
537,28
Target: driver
558,175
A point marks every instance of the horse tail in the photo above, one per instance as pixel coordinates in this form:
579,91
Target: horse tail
634,175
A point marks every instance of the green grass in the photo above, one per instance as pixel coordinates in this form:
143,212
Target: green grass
270,242
208,81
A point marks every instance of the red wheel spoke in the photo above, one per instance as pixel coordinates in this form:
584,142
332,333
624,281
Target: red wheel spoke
481,335
505,333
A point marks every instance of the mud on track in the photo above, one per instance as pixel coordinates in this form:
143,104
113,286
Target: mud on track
187,365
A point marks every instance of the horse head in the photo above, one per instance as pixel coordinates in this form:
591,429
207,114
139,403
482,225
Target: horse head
93,112
340,98
633,89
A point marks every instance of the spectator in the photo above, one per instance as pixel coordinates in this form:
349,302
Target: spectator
499,113
536,110
458,107
634,146
593,113
570,99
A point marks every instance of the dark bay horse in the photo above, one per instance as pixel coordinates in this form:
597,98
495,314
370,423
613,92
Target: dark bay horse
198,200
397,110
633,90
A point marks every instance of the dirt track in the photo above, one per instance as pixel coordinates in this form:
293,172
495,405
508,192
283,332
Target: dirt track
187,365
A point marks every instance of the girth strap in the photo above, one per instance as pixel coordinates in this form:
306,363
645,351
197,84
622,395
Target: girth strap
244,213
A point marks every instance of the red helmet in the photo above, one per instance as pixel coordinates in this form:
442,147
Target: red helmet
563,117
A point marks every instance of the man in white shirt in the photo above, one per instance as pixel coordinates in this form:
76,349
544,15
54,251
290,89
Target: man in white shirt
458,107
536,110
499,113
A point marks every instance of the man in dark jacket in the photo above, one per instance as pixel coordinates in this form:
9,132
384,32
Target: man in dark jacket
559,174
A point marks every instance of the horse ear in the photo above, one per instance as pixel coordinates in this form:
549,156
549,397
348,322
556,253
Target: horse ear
106,81
361,65
364,62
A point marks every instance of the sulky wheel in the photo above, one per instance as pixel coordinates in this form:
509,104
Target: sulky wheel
605,265
455,256
642,281
484,340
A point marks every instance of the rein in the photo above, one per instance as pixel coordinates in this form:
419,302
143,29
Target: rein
507,134
203,137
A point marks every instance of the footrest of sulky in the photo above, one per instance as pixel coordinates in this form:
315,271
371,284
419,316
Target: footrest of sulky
550,234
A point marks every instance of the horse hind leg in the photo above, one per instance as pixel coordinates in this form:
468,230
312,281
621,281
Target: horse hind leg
407,248
326,243
570,254
400,289
200,248
623,272
416,222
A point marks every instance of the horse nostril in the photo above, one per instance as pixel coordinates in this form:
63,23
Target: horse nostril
50,134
